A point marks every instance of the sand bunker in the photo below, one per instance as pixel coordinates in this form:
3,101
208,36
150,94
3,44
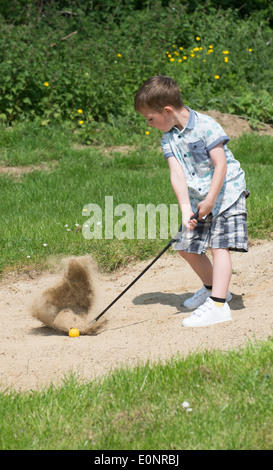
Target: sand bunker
144,325
69,303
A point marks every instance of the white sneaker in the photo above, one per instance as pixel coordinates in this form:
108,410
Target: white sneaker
208,314
200,297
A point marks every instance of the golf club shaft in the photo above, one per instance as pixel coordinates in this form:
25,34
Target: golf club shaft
133,282
177,236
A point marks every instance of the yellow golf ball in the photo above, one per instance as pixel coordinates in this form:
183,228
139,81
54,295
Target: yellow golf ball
73,333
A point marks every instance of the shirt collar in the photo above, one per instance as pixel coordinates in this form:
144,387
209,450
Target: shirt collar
190,123
191,120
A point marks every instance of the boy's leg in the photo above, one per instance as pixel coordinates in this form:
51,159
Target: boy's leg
215,309
201,265
228,232
192,247
217,275
222,270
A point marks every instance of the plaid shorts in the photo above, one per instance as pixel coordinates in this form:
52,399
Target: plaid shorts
226,230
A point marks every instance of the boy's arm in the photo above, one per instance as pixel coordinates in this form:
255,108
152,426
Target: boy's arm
217,155
180,188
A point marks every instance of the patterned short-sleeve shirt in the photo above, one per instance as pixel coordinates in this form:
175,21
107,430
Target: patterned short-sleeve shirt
191,148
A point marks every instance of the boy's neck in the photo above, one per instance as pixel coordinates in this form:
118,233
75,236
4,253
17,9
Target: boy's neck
181,118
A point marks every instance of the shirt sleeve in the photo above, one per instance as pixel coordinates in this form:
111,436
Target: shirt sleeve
166,146
214,134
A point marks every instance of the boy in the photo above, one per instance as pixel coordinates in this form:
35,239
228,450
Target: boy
206,177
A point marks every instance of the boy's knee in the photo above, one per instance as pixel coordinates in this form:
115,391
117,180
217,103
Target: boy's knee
188,256
185,255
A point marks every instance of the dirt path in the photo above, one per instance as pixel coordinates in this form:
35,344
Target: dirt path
145,324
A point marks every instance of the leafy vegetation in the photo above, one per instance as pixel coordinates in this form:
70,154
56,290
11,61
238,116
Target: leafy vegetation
80,63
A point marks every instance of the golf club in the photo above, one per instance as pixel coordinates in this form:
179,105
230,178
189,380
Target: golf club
182,229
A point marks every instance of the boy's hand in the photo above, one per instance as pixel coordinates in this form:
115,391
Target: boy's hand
187,213
205,207
192,222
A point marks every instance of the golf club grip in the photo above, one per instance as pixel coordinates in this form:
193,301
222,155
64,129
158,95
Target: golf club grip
183,229
178,235
196,215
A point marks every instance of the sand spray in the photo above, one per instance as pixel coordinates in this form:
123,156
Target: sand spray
70,302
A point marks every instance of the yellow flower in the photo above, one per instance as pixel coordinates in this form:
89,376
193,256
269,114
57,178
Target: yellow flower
226,60
196,48
167,52
197,38
80,122
192,55
172,59
184,57
210,47
170,55
174,45
147,132
216,77
80,111
249,50
179,60
46,84
176,53
225,52
119,55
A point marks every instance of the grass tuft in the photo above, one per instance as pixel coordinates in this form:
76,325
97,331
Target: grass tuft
207,401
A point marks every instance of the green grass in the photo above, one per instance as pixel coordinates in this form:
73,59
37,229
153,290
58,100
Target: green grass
229,396
44,207
256,157
40,207
30,144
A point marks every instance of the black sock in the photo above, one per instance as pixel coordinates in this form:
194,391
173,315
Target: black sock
208,287
217,299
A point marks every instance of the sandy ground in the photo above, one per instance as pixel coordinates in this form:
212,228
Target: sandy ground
145,324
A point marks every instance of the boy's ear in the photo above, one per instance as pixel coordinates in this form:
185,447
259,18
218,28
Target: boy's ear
168,109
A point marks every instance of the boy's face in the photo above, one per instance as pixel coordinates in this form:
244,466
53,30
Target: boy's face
160,120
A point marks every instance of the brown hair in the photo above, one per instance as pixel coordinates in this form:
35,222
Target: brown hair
157,92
